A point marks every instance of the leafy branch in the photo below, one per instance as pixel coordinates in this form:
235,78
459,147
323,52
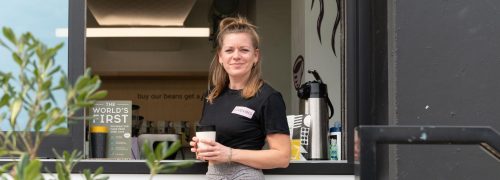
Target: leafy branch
32,90
161,152
29,96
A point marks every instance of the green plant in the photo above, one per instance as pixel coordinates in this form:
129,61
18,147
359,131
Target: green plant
27,169
66,163
34,94
162,151
31,91
96,176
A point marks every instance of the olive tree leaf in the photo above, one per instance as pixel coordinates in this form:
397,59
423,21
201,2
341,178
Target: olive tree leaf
22,165
160,151
60,131
6,167
17,59
39,120
96,176
99,95
61,173
15,109
81,82
55,70
5,45
69,160
51,52
33,170
46,85
172,149
4,100
87,174
9,34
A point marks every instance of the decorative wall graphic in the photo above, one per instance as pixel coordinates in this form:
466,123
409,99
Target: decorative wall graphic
320,17
336,25
298,71
320,21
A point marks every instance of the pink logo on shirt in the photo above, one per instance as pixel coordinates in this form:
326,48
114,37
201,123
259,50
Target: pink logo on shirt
243,111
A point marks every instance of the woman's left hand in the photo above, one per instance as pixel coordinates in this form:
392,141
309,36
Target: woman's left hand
214,152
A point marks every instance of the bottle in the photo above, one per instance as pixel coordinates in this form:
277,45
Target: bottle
335,142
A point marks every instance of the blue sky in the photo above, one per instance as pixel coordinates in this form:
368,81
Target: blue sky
41,18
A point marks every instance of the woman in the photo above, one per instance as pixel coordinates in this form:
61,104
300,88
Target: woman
245,110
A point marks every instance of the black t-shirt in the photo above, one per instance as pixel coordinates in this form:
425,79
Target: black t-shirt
244,123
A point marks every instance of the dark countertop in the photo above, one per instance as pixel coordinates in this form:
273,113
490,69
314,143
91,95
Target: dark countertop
322,167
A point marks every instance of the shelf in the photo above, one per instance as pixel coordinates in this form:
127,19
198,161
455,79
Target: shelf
147,32
138,74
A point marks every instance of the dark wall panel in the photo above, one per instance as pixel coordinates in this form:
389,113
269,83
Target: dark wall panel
447,65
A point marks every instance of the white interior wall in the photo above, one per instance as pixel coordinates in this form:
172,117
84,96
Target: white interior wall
317,56
297,45
273,20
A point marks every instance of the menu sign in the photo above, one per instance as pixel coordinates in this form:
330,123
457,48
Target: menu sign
117,116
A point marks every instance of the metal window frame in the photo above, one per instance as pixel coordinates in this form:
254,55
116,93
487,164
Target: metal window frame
76,55
371,136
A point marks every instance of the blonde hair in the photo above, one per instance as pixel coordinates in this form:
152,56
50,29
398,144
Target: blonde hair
218,77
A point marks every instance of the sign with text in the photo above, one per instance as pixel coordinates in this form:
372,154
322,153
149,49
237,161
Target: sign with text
160,99
117,116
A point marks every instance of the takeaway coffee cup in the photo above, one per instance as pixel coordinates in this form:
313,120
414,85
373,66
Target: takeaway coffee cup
98,141
205,132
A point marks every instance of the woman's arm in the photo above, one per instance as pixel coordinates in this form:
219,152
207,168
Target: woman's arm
277,156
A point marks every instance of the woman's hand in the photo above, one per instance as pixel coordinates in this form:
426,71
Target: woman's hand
194,145
213,152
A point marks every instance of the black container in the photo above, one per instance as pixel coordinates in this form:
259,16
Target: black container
98,141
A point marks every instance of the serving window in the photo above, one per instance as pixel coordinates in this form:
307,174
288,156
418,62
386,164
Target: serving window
165,77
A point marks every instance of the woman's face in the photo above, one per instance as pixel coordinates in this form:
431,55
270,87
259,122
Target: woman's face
238,54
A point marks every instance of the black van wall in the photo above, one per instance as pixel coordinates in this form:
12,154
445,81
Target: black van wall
443,69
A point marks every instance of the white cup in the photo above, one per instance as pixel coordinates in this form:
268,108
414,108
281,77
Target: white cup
205,132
